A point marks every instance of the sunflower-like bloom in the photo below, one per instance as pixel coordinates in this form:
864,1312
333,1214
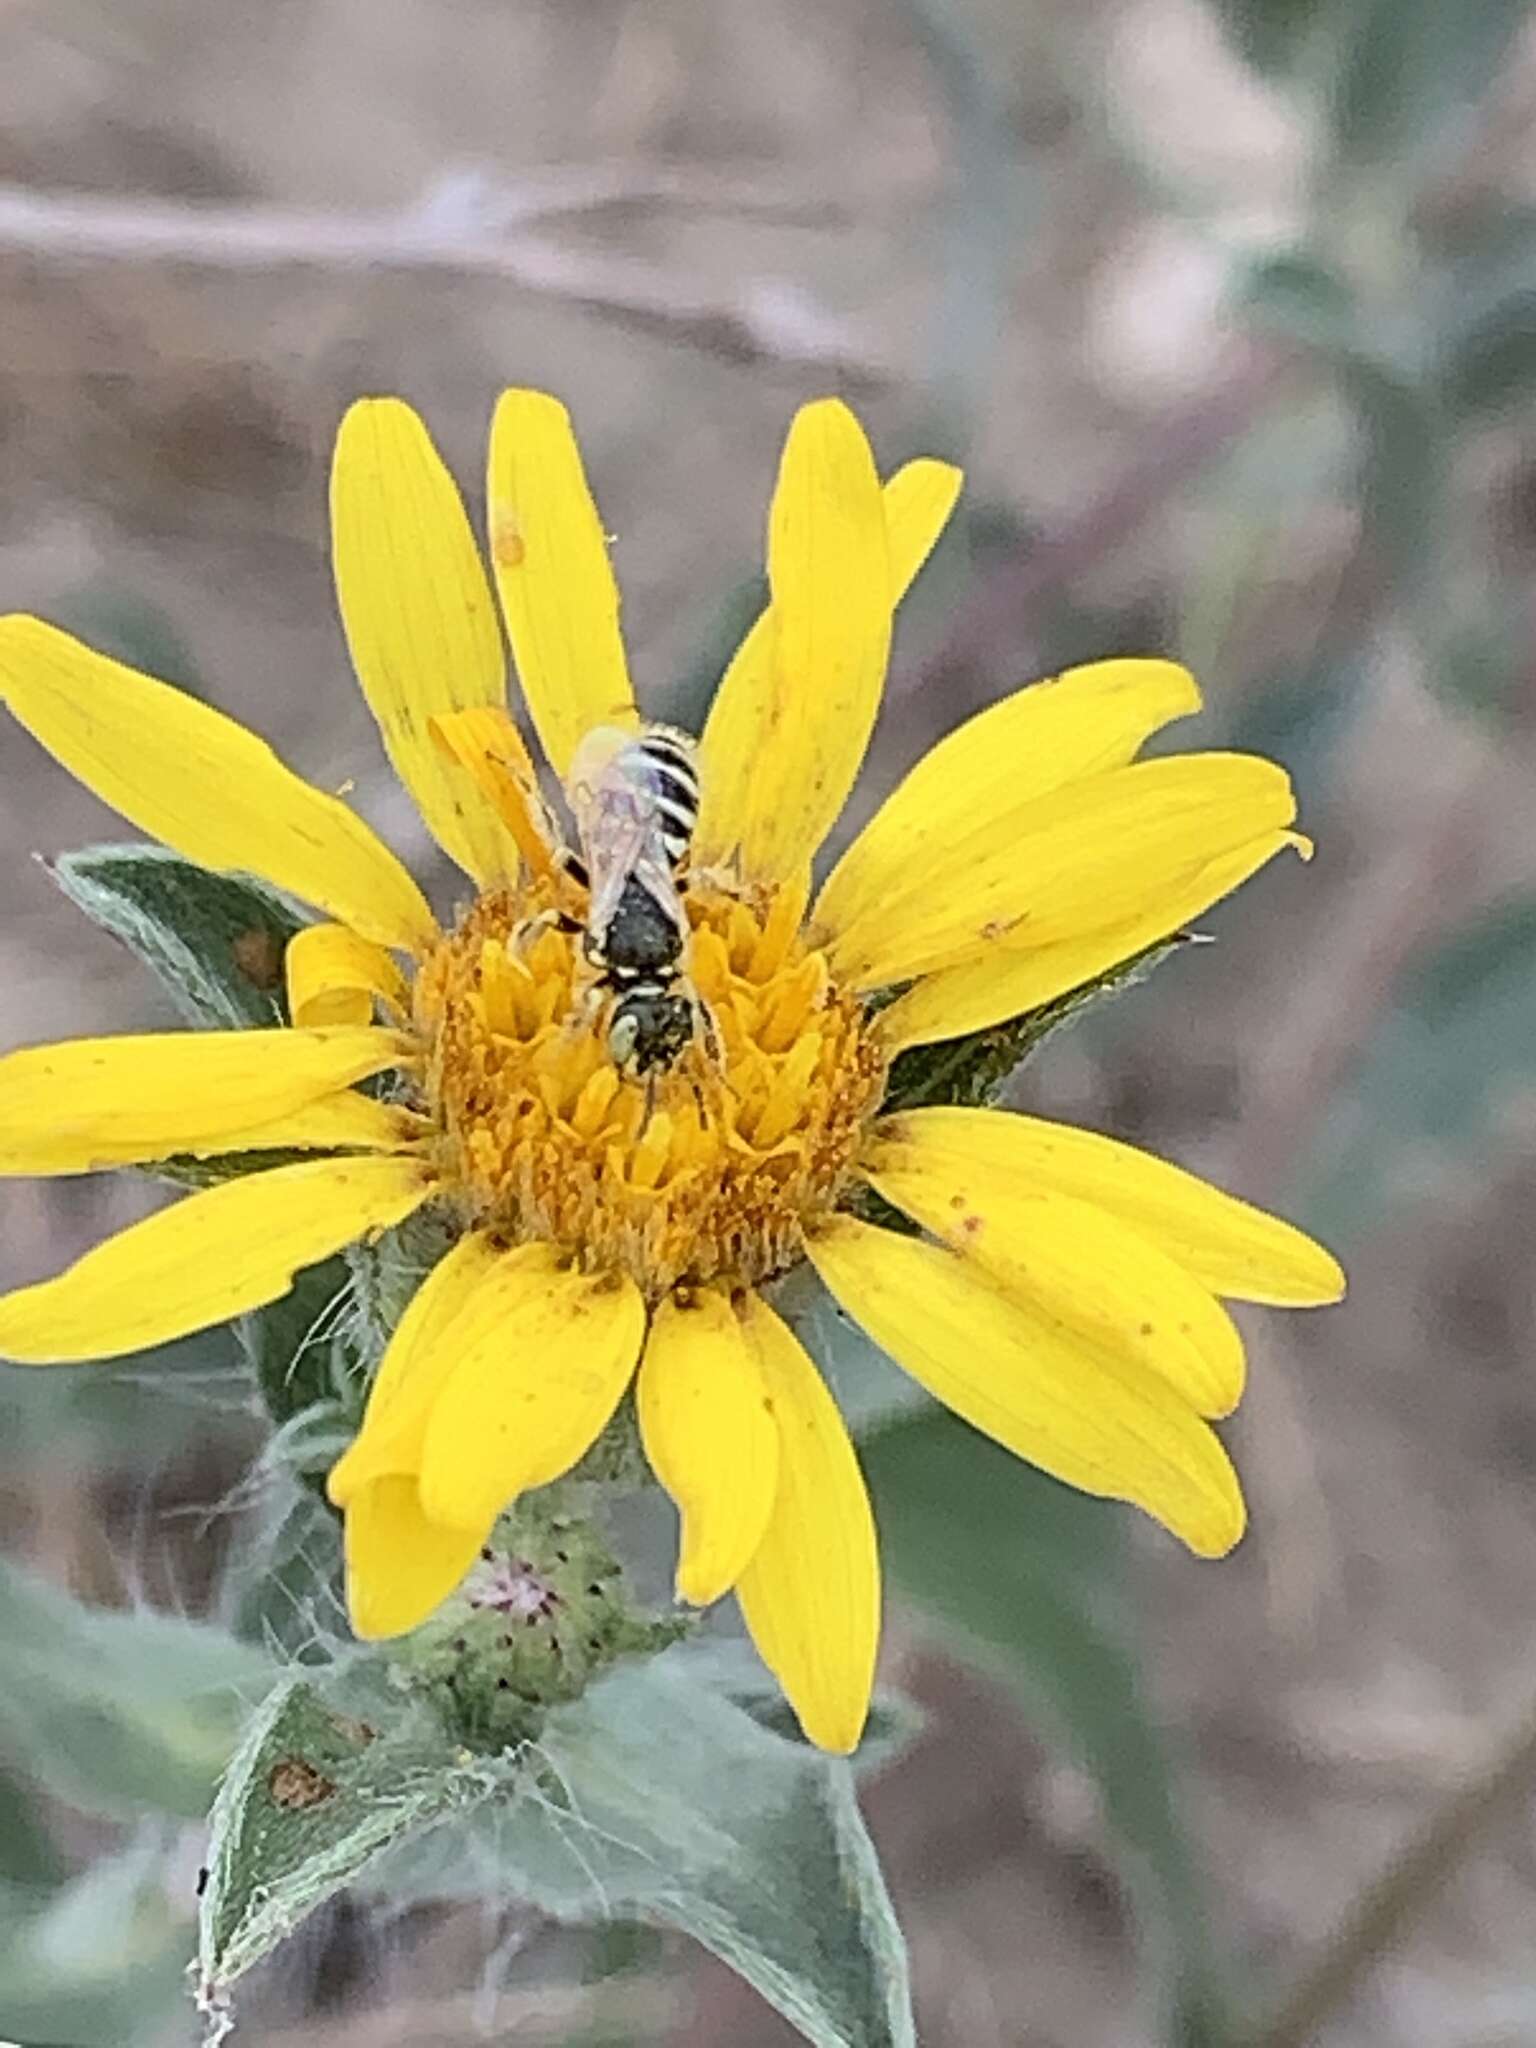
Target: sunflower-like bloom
1061,1292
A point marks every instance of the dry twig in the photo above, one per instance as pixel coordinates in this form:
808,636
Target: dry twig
465,226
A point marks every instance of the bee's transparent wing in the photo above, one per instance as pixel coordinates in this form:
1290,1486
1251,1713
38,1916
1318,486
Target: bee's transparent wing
654,873
617,832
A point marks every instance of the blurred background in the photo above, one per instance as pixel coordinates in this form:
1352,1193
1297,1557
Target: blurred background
1229,308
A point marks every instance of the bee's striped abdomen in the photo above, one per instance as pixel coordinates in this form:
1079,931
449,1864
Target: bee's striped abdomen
675,785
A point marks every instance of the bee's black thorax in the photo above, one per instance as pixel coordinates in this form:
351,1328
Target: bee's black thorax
640,940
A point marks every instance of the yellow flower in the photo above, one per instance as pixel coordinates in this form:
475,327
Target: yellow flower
1064,1293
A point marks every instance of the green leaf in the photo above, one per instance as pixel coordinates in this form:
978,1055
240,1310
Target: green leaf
1459,1042
100,1962
654,1798
284,1588
27,1854
310,1352
304,1349
1297,713
1272,34
215,941
1486,321
1493,368
144,1406
1022,1575
1404,463
1404,441
119,1713
312,1795
1295,295
971,1070
731,1667
1407,69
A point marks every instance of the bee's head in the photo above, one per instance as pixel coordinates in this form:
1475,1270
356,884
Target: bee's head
649,1028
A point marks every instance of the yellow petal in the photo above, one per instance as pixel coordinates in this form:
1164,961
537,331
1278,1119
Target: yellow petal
342,1122
1231,1247
189,776
208,1257
1096,853
417,1360
811,1595
830,577
1073,1264
400,1566
917,501
336,977
710,1436
545,1354
1078,724
558,593
90,1102
1010,978
418,616
1063,1403
489,746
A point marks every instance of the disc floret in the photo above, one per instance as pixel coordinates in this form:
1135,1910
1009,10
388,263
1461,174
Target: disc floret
713,1170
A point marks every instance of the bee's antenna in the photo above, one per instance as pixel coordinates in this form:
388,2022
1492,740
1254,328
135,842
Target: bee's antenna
701,1099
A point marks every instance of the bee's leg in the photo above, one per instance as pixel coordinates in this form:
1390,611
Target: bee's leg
552,920
705,1030
701,1100
573,865
650,1101
584,1011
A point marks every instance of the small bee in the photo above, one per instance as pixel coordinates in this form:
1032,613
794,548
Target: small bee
635,797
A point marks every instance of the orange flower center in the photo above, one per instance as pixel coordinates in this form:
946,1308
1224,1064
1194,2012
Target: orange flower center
710,1169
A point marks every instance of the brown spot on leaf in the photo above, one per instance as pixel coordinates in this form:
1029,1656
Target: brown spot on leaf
258,954
295,1784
